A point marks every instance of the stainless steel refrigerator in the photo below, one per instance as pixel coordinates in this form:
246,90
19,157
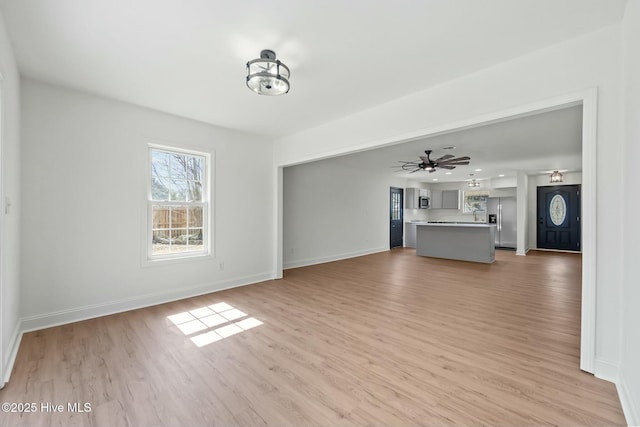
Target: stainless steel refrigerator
502,212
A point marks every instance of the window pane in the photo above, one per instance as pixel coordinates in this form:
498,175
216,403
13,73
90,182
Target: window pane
161,243
179,217
179,166
161,217
194,171
179,236
179,190
160,164
195,217
194,191
159,189
195,239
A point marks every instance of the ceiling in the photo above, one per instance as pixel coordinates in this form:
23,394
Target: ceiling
535,144
188,58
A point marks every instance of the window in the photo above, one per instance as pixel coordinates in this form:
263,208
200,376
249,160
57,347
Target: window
178,204
475,201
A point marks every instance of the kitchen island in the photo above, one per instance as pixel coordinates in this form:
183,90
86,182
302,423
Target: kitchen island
465,242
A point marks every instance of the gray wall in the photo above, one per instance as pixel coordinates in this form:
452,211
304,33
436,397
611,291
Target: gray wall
332,211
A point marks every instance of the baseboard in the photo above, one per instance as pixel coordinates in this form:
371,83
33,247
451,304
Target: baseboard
556,250
14,345
607,370
331,258
629,404
62,317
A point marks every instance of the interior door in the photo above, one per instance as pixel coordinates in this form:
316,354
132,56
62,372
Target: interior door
396,214
559,217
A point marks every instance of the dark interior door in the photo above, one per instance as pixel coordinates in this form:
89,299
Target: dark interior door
396,213
559,217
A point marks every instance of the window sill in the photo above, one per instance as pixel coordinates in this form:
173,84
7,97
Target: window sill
158,262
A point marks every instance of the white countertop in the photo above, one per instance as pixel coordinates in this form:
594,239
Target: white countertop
483,225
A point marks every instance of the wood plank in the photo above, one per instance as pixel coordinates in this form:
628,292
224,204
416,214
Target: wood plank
385,339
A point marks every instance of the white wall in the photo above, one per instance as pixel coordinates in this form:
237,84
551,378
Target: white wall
333,211
535,181
593,60
629,382
9,188
84,210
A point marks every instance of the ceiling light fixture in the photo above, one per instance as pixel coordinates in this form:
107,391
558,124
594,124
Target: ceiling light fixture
556,176
474,183
267,75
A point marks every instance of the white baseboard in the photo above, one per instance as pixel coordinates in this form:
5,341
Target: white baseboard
331,258
62,317
607,370
629,404
14,345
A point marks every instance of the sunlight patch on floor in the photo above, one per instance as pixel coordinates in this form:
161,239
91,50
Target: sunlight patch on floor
220,315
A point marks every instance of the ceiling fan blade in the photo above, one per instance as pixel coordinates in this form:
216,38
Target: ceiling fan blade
409,167
445,157
448,162
446,166
425,159
454,164
461,158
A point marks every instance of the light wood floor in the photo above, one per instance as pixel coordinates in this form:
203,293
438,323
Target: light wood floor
387,339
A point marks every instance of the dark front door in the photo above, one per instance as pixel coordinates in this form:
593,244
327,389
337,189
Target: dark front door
559,217
396,196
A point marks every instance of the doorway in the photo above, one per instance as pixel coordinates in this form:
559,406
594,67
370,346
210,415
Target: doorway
558,210
396,215
588,98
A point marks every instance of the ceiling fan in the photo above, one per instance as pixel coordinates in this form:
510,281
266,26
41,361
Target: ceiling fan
447,161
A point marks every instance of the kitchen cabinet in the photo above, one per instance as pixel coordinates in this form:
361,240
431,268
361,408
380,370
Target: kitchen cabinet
451,199
412,197
436,199
410,234
445,199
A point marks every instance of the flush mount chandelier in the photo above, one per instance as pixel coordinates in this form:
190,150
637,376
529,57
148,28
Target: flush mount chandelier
556,176
267,75
473,182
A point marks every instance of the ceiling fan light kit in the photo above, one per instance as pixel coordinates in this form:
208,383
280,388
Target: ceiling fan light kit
268,75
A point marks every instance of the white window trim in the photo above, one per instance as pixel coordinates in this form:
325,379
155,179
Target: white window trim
207,253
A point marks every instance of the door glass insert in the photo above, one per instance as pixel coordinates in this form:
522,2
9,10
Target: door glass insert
558,210
395,207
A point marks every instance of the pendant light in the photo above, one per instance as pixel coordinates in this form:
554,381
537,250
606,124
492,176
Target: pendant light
267,75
